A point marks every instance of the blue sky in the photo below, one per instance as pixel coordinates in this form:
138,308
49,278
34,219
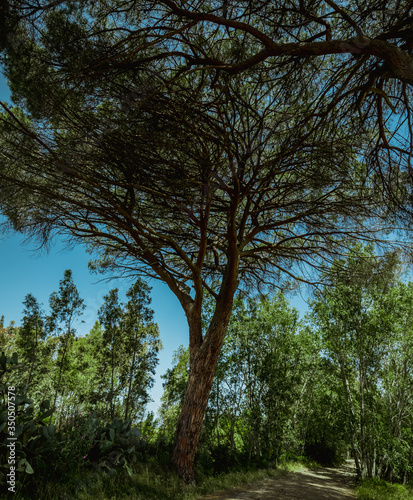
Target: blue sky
25,270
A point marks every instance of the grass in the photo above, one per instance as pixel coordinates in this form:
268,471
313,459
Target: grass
374,489
150,482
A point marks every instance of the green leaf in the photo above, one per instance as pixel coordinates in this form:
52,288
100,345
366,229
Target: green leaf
18,431
48,431
29,468
112,434
128,469
45,405
46,414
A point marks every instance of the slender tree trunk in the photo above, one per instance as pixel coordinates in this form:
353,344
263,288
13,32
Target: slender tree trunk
232,434
351,408
217,420
131,376
307,418
112,413
365,466
67,339
33,357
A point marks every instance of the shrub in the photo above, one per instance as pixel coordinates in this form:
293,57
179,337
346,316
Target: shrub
375,489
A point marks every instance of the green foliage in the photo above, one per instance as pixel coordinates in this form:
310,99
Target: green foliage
73,441
76,372
87,443
376,489
284,390
261,396
35,443
276,175
31,332
76,436
127,352
364,318
340,382
175,380
118,445
81,443
66,306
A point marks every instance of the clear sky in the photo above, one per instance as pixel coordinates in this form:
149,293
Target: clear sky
24,270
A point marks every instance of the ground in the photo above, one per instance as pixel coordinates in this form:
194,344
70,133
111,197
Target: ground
320,484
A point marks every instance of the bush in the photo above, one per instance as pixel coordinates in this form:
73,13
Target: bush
374,489
81,442
76,437
35,443
117,444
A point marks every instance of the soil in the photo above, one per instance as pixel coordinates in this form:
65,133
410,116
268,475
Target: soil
327,483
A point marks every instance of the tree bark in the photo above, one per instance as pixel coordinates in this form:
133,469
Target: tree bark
203,360
192,415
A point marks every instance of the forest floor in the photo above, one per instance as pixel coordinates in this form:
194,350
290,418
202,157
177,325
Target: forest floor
326,483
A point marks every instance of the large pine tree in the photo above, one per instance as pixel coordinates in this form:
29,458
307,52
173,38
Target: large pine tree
207,143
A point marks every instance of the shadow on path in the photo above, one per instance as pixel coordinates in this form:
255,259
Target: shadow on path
319,484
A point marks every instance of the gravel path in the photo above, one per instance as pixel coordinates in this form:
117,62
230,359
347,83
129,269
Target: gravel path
319,484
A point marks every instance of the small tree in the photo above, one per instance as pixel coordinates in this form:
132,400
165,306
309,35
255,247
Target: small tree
130,342
357,325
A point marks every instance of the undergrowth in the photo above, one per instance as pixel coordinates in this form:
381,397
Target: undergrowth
374,489
151,482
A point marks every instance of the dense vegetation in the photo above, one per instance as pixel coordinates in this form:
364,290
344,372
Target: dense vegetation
339,382
335,384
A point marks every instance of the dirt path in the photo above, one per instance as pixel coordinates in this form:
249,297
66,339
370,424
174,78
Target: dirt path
321,484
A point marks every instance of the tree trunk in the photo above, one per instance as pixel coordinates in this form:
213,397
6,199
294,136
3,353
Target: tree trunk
66,341
203,360
112,413
131,375
217,420
192,415
203,357
32,361
352,411
307,418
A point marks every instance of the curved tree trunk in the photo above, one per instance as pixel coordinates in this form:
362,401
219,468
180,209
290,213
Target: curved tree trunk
189,426
204,354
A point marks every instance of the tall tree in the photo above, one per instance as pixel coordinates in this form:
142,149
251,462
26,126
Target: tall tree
141,345
396,378
357,327
233,173
31,331
65,308
110,314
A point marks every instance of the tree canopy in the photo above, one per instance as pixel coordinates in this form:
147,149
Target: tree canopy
359,53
